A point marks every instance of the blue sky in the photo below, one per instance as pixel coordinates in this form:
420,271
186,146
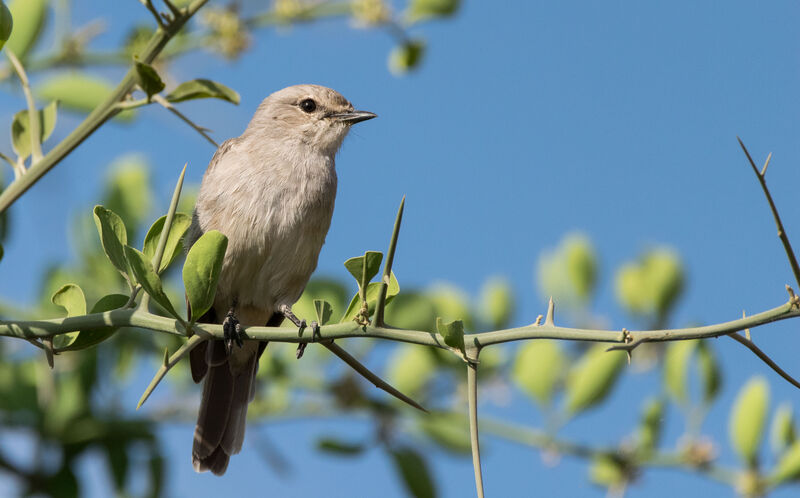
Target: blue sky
527,120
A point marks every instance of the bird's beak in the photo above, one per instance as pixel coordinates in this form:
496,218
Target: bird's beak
353,117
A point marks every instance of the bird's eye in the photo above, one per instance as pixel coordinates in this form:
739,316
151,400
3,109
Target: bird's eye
308,105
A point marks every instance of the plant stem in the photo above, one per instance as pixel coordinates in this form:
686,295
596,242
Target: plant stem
34,127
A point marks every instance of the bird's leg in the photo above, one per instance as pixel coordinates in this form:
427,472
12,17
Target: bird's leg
286,310
232,330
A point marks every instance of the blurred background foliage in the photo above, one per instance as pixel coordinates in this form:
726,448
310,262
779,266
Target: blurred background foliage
77,409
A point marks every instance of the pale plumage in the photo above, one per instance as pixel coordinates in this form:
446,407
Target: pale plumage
271,191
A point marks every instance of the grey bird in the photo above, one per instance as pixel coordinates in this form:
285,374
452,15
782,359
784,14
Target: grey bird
271,191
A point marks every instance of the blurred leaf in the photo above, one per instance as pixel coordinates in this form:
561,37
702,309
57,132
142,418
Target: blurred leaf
91,337
29,18
451,304
202,89
788,466
607,472
117,455
324,289
676,369
748,417
174,247
783,432
409,368
652,285
18,386
424,9
450,430
538,367
452,332
148,79
568,272
128,191
342,448
64,482
71,298
114,237
78,92
324,311
651,424
373,290
364,268
20,129
6,24
593,377
403,58
710,373
149,279
581,264
497,299
136,40
411,310
414,470
201,271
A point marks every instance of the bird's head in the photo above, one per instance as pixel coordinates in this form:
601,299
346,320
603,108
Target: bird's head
313,115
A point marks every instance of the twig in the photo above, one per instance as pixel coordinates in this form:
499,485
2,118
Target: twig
369,375
199,129
765,358
472,404
387,267
34,127
787,246
169,362
156,14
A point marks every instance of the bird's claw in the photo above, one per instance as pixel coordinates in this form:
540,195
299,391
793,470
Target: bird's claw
232,331
301,348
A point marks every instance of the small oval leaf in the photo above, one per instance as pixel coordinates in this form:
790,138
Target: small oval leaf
788,466
450,430
373,290
339,447
20,129
497,299
538,367
201,271
748,418
91,337
6,23
71,298
113,237
148,79
364,268
783,432
149,280
29,16
202,89
593,378
676,369
414,471
452,332
174,247
409,368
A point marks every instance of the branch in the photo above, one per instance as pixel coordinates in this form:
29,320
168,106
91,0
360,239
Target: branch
787,246
100,114
765,358
474,441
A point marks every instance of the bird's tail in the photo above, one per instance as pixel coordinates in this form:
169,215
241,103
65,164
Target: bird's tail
223,410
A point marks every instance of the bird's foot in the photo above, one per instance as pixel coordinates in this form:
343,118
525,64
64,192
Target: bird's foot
301,348
232,331
286,310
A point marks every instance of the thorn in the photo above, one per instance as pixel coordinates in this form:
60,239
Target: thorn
766,163
166,357
48,351
550,311
746,331
538,320
793,299
627,338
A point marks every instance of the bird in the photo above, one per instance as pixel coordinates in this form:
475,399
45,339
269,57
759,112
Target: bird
271,192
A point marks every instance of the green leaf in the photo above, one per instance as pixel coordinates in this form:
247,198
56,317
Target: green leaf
78,92
201,271
373,290
20,128
117,455
406,57
6,24
606,471
676,369
424,9
748,417
651,424
538,367
148,79
364,268
497,300
788,466
451,303
409,368
452,332
114,238
414,470
92,337
339,447
652,285
324,311
783,432
29,18
411,310
202,89
71,298
127,190
174,247
449,430
710,373
149,279
592,379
